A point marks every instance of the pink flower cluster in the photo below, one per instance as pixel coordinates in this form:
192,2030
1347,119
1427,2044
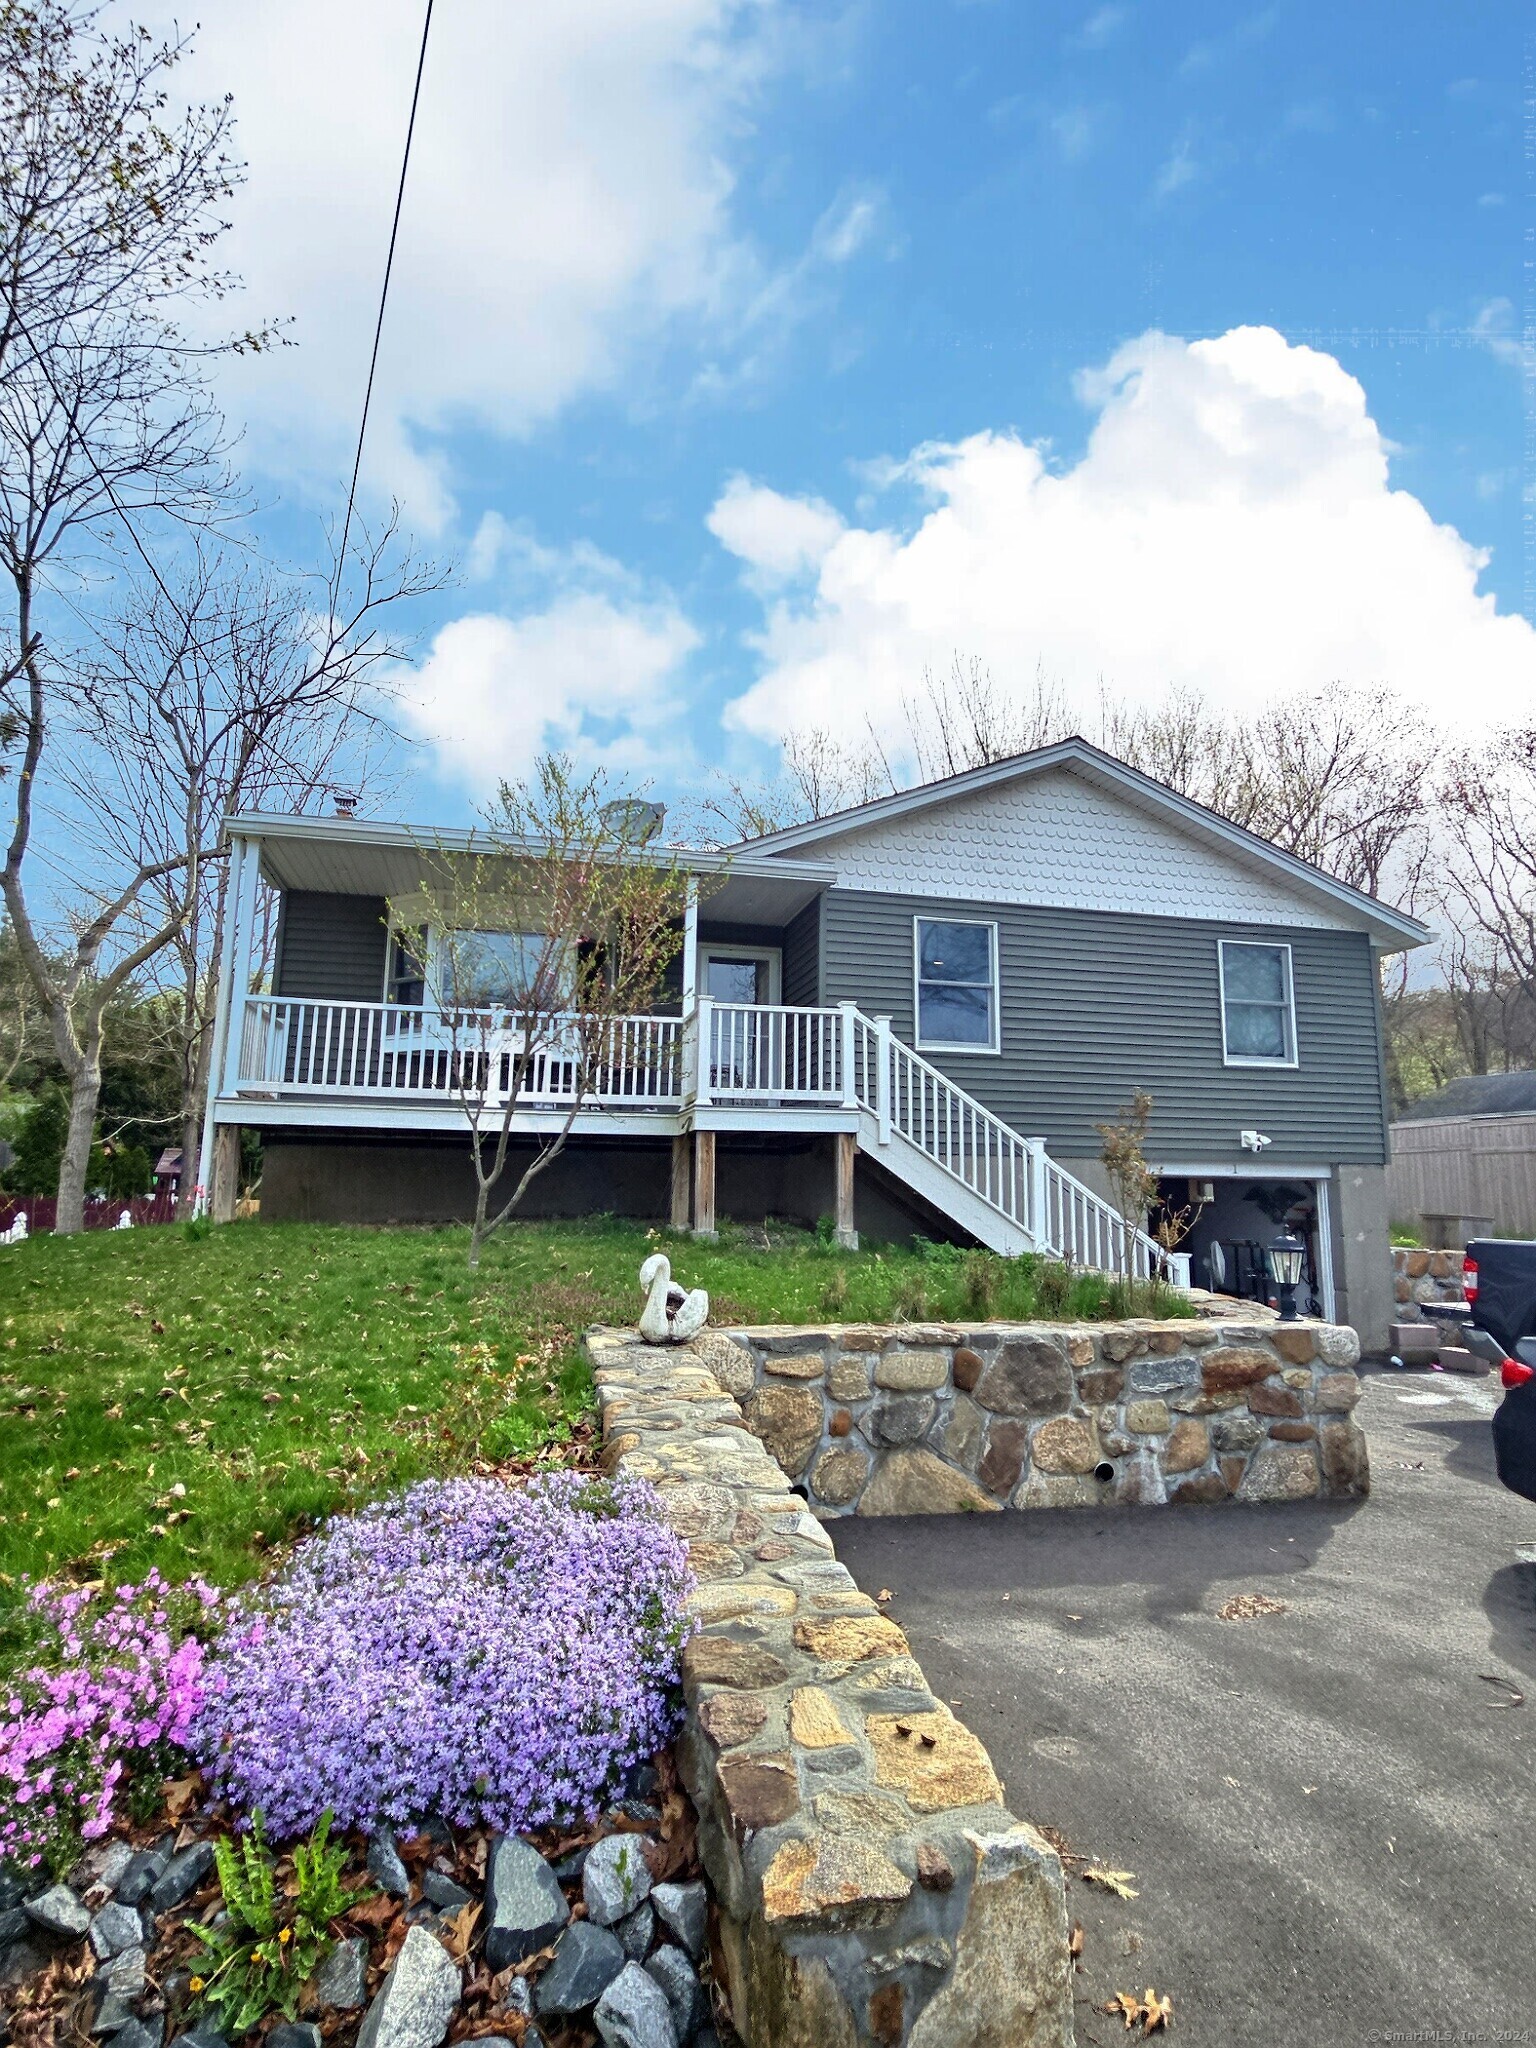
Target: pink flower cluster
114,1677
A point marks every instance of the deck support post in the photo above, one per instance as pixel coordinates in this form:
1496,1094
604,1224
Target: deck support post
678,1215
847,1148
226,1172
704,1184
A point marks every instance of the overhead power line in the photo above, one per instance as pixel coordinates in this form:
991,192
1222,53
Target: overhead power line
378,329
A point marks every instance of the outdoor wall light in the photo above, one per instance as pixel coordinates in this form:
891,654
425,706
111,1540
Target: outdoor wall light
1286,1256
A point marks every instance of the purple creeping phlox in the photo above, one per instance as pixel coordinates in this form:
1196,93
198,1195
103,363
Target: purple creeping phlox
115,1677
468,1650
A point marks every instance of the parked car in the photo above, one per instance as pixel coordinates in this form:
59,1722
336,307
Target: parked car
1498,1323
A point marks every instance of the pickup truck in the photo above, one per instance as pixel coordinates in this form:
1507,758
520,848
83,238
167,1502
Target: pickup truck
1498,1323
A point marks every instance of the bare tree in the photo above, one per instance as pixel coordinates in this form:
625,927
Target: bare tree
109,208
220,691
547,941
964,720
1336,778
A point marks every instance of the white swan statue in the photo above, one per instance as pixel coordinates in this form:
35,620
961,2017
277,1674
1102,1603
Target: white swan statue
670,1316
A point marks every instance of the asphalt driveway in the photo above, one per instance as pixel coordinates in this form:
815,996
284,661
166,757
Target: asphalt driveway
1330,1812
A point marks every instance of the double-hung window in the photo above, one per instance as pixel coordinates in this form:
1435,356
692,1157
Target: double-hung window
956,995
1258,1010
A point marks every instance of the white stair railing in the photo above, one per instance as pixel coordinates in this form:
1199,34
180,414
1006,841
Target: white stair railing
1011,1174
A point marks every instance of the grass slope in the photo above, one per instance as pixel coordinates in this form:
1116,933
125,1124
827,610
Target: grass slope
193,1401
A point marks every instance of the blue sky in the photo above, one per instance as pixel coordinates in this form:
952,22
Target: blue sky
652,246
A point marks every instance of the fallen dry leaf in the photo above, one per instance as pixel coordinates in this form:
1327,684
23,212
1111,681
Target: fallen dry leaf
1156,2013
1116,1881
1249,1606
1075,1940
1127,2005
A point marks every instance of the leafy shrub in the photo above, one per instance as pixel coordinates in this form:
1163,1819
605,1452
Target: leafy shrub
110,1682
257,1960
983,1279
487,1654
1053,1286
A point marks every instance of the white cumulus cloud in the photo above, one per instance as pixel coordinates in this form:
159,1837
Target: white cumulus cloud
1231,528
591,673
569,201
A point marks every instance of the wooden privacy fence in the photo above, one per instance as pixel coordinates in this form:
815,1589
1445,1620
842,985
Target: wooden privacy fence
1466,1166
41,1210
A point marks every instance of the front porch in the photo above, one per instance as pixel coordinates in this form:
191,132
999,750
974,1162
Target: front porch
322,1057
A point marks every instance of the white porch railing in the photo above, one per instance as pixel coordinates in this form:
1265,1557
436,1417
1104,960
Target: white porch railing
770,1056
294,1045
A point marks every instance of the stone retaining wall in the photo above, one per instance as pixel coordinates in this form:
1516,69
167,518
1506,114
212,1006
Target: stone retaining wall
1419,1276
935,1419
873,1890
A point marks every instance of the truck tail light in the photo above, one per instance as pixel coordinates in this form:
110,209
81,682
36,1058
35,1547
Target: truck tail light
1469,1278
1515,1374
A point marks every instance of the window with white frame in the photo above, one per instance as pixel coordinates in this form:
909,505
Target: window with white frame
1258,1011
956,976
493,969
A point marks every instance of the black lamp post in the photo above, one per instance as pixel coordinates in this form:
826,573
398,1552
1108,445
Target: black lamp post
1286,1255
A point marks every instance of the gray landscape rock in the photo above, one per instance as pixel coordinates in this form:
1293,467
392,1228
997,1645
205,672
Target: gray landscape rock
58,1912
636,1932
117,1985
114,1859
417,2000
683,1909
524,1907
204,2035
616,1878
385,1866
518,1997
634,2012
586,1962
141,1874
443,1893
115,1928
181,1877
13,1924
12,1890
142,2034
293,2034
679,1980
342,1979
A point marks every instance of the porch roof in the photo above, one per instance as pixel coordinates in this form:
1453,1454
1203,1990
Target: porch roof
369,857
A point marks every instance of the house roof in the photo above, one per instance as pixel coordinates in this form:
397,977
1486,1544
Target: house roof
1392,929
1476,1095
367,856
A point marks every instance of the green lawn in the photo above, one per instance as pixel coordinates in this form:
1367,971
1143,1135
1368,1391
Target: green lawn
192,1401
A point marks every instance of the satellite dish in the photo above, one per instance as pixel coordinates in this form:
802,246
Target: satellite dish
1216,1261
632,822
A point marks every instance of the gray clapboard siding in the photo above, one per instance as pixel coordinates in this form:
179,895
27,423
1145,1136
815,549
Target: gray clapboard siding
802,957
331,946
1095,1005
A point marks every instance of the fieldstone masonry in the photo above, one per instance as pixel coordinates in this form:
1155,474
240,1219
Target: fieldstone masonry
937,1419
873,1890
1420,1276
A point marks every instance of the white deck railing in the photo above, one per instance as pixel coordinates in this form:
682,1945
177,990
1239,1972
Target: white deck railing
293,1045
768,1056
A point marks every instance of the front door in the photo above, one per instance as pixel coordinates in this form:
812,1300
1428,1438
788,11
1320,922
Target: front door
743,1044
741,974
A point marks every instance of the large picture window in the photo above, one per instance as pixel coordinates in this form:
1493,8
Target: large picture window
487,970
956,962
1258,1020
